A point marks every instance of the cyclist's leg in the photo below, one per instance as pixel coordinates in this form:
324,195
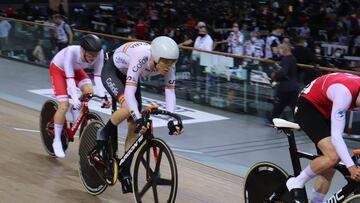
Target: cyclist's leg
83,81
318,130
114,82
322,185
131,135
130,139
59,119
58,81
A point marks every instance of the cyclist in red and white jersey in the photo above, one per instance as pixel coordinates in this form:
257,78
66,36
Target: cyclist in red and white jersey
320,112
121,76
66,72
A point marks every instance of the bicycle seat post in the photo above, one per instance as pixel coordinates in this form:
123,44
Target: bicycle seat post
293,151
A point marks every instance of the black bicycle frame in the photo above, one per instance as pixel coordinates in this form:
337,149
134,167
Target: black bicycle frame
296,155
134,147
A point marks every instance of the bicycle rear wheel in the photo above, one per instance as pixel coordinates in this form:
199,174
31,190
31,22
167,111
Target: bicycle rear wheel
353,199
90,178
92,116
47,127
162,175
263,180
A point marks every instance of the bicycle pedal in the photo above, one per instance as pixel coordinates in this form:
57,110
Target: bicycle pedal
126,185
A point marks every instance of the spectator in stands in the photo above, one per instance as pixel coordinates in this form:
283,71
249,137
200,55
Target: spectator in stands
255,46
39,53
305,31
304,55
287,85
178,36
245,31
337,58
236,41
258,44
5,28
203,40
63,33
190,22
140,29
273,43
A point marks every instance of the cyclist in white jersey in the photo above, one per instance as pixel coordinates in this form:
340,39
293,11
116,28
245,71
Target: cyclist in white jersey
120,76
66,72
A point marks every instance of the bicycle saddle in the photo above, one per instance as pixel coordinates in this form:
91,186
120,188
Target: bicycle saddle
281,123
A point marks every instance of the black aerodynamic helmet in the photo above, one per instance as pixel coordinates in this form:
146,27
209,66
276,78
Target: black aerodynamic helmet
91,42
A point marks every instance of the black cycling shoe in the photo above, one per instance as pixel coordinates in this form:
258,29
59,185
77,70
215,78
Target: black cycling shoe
126,181
298,195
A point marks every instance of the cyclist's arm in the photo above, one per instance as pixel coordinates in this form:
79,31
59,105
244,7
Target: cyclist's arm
170,97
341,98
69,73
132,79
100,90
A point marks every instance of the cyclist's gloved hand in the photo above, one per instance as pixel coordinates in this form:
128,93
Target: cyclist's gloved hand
175,129
105,104
140,126
355,173
76,103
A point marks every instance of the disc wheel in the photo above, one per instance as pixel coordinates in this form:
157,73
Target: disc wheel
47,113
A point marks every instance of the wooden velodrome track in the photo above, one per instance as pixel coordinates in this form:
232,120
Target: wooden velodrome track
28,174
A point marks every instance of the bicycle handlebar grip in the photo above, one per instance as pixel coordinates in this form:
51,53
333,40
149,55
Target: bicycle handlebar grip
147,112
357,157
356,152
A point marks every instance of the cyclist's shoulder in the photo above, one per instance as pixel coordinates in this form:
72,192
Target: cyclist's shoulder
134,46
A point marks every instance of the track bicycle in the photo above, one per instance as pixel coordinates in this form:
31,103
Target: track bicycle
266,182
154,165
47,113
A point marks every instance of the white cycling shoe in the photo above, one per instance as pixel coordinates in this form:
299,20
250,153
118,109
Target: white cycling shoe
58,150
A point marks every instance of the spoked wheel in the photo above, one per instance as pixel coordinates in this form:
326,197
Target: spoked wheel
92,116
263,180
92,179
158,183
353,199
47,127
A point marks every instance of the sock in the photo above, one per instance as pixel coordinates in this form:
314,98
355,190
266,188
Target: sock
57,145
317,197
299,181
58,129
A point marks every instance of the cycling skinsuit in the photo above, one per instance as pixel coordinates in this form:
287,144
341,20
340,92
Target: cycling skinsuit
66,70
322,107
122,72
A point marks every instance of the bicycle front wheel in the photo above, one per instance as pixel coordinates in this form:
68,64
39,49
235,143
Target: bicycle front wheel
155,177
263,180
90,178
353,199
47,113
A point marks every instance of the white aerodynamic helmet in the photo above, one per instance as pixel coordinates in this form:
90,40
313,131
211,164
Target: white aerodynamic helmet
164,47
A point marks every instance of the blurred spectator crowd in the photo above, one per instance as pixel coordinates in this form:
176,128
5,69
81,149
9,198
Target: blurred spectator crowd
331,29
